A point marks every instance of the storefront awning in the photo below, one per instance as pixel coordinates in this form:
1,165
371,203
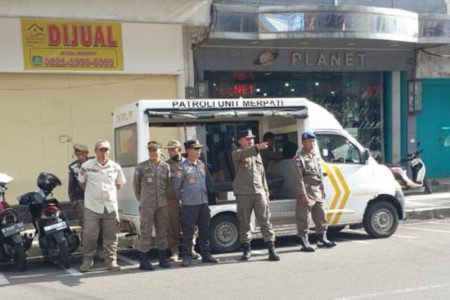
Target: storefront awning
298,113
319,26
185,12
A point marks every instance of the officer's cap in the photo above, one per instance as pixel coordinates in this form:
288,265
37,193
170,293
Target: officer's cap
247,133
80,148
102,144
172,144
192,144
153,145
307,135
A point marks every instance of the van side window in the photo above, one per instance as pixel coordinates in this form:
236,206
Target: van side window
125,146
337,149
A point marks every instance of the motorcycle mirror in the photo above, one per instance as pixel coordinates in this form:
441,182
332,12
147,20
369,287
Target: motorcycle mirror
366,155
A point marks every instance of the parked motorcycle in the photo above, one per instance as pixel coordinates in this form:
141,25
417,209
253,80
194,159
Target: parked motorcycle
56,239
418,180
12,247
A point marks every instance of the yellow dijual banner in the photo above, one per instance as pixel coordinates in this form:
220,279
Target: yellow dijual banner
72,45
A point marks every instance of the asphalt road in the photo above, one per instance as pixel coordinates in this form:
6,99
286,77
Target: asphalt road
412,264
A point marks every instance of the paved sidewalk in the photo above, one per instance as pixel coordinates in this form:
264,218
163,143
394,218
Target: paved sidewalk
432,206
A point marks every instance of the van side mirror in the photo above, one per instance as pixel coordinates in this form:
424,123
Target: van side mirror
366,155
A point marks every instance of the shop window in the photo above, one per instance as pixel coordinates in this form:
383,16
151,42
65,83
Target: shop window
354,98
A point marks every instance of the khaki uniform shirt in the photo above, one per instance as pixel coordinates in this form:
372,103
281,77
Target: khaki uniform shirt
308,175
173,169
250,175
150,184
101,190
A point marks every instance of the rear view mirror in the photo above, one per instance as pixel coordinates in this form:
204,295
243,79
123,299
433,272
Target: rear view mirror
366,155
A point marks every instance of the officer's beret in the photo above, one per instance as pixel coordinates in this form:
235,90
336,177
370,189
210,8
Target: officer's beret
153,145
247,133
307,135
80,148
173,144
192,144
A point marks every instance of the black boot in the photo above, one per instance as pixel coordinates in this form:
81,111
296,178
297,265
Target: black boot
186,261
322,241
163,262
306,246
144,264
246,251
273,256
208,258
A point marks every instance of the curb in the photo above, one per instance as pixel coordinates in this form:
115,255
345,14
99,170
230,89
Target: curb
428,213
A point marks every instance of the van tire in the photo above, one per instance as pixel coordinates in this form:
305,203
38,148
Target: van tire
224,233
380,219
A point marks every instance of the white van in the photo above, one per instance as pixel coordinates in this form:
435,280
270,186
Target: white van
360,192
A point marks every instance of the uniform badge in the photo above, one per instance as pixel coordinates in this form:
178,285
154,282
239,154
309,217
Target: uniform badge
82,171
149,180
191,181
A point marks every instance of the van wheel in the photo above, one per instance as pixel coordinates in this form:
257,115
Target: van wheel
224,233
380,220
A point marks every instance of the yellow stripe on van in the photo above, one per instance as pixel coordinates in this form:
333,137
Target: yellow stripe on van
337,190
346,194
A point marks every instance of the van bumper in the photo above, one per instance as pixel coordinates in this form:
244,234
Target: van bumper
401,200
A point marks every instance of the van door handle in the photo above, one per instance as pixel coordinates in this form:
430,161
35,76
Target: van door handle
324,174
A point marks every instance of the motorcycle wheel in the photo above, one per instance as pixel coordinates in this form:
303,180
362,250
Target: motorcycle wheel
426,184
64,256
20,259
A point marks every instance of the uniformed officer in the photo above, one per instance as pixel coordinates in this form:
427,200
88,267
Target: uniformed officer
151,179
100,178
252,193
173,203
269,154
190,187
310,193
76,193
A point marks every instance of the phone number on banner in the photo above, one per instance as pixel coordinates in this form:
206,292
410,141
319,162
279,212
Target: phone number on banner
79,62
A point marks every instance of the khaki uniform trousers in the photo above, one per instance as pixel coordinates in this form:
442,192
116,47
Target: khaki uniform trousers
304,212
245,205
150,217
80,212
93,223
173,224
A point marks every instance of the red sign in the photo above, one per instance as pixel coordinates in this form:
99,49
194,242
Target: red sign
235,90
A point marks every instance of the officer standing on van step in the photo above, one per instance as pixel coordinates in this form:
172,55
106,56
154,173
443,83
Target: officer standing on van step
310,193
151,179
190,187
252,193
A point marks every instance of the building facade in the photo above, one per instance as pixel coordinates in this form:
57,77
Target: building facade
64,70
359,59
